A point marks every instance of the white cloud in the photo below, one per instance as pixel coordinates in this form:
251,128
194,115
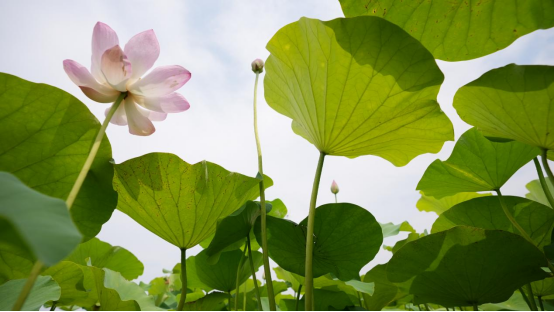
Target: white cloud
216,41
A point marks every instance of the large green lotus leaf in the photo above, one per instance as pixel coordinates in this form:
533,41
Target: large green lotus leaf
438,206
513,102
223,275
193,281
128,291
391,229
487,213
543,288
476,164
108,299
179,202
357,86
234,228
515,303
70,277
103,255
466,265
36,222
458,30
45,289
385,292
16,261
214,301
278,208
347,237
46,135
411,237
536,193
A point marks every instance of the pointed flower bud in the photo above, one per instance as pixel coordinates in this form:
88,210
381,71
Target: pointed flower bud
258,66
334,187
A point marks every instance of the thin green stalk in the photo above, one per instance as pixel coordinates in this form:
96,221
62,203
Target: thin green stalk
308,281
237,287
541,304
263,215
544,158
183,279
298,297
35,271
92,154
531,297
229,305
244,298
336,201
71,197
256,290
360,299
524,295
544,185
53,307
475,307
517,226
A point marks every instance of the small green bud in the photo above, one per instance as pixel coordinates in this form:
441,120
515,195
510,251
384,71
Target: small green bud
258,66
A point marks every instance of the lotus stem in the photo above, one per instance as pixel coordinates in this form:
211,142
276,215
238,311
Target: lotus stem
531,297
544,185
525,297
256,290
183,279
53,307
92,154
541,303
309,283
263,215
35,271
360,299
544,158
475,307
239,269
298,297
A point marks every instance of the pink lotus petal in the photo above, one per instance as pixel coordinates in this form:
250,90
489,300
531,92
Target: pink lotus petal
152,115
103,38
119,117
82,78
143,51
161,81
116,68
138,123
171,103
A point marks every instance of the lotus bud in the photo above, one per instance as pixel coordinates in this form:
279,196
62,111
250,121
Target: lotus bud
258,66
334,187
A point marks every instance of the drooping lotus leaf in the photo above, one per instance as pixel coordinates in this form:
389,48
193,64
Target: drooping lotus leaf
214,301
278,208
513,102
46,135
391,229
476,164
466,265
103,255
69,277
346,238
486,213
235,228
108,299
34,224
45,289
458,30
536,192
179,202
223,275
127,291
293,279
438,206
385,292
357,86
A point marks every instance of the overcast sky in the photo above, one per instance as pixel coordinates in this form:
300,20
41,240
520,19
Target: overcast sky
216,41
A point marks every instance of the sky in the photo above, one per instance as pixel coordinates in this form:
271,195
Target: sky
216,41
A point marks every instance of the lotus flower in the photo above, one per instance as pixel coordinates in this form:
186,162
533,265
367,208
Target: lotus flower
115,70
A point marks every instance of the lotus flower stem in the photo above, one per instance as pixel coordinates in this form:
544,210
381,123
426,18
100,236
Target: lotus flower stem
544,185
544,158
183,279
309,283
541,304
531,297
298,296
92,154
524,296
35,271
256,290
517,226
267,268
237,286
